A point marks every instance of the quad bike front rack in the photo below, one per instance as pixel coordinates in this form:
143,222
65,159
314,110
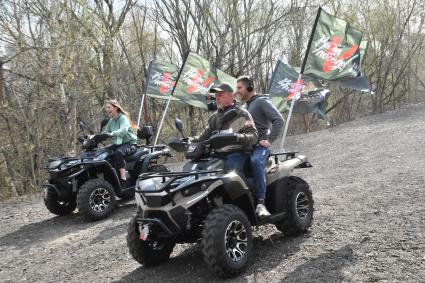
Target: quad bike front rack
172,177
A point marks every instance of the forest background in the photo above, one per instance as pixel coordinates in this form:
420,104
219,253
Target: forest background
61,60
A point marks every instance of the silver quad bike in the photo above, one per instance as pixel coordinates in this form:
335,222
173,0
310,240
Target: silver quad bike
203,203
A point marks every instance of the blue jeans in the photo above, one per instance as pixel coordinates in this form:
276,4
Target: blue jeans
236,161
258,157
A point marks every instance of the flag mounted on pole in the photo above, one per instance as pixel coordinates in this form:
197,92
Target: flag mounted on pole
196,78
331,54
171,89
313,102
283,84
333,51
161,79
360,82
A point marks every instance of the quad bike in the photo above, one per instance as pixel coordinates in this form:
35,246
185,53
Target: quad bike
218,208
91,183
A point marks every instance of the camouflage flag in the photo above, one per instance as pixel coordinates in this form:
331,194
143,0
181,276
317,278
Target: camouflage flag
313,102
333,49
283,84
161,79
196,78
360,82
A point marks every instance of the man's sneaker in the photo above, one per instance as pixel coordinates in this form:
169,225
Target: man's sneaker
262,211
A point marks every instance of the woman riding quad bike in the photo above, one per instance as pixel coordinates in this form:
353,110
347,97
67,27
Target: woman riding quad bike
92,181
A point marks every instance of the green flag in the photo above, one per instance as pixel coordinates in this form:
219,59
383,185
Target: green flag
333,50
360,82
161,79
283,84
196,78
313,102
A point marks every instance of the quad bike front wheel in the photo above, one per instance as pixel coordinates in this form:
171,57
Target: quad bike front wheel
96,199
300,211
226,240
56,205
149,252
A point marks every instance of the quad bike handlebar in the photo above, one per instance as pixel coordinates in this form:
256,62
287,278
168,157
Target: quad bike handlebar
92,142
196,150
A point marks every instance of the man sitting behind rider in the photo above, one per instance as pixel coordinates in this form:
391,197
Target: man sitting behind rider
269,123
235,155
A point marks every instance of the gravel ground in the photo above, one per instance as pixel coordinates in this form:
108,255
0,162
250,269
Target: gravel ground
368,185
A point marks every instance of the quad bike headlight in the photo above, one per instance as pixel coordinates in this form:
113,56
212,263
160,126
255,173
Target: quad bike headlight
152,184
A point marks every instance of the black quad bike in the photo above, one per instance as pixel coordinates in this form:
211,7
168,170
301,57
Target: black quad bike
90,181
218,208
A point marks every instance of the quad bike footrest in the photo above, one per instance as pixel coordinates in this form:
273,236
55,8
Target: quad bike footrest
273,218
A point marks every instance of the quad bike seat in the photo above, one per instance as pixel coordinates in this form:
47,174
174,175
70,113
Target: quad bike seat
137,154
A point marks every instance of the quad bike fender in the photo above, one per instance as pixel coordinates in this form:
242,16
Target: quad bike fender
277,193
148,158
236,192
102,167
285,168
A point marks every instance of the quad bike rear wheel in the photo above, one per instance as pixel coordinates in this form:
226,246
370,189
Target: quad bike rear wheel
149,252
300,210
96,199
56,205
227,240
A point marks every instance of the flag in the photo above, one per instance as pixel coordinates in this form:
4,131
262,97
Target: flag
196,78
360,82
333,49
283,85
313,102
161,79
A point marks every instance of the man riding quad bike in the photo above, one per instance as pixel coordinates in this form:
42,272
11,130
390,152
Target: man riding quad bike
205,203
90,181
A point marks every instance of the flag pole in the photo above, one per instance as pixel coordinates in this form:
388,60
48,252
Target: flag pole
140,110
143,95
297,93
169,99
273,76
162,120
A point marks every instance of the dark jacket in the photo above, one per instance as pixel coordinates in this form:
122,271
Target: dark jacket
242,124
265,115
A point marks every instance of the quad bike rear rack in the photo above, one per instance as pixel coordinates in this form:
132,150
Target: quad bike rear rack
288,155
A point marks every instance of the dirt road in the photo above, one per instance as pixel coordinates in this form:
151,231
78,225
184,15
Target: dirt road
368,185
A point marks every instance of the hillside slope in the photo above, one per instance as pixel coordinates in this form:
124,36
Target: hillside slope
368,185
